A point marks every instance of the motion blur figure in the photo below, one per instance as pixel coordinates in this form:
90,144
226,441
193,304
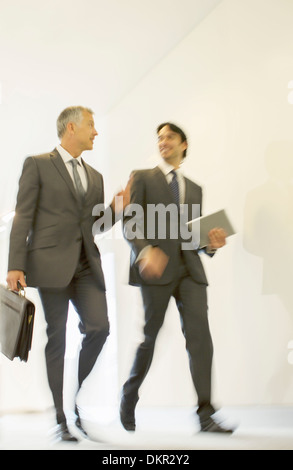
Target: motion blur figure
162,268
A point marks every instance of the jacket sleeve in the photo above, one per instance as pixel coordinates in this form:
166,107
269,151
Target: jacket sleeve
205,249
26,204
104,218
134,216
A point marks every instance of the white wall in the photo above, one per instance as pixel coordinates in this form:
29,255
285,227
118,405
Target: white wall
226,84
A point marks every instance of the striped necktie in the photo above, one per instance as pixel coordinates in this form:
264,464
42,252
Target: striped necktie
174,186
78,184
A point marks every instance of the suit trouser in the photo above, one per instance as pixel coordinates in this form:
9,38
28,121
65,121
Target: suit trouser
191,300
89,302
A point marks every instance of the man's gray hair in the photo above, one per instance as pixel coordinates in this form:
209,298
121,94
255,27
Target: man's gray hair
71,114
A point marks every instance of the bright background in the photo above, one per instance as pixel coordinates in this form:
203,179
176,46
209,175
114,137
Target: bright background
223,71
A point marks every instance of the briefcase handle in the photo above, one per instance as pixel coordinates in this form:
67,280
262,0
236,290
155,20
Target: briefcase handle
21,291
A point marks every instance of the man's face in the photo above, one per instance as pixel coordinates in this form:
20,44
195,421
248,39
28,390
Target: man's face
170,144
85,132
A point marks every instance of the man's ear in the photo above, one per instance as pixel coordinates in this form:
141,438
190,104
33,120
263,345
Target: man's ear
70,128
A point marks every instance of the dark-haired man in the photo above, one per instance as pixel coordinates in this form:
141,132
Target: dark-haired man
163,268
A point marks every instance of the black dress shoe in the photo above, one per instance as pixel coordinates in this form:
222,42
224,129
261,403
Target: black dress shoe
127,417
64,434
211,426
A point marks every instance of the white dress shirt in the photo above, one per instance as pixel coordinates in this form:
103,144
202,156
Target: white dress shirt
66,157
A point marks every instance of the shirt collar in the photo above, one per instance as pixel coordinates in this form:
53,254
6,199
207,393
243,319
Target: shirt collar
66,156
166,168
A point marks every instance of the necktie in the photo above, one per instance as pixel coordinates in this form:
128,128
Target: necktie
174,186
78,184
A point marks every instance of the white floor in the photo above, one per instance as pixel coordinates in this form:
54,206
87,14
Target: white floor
258,428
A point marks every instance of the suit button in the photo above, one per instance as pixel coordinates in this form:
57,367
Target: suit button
79,239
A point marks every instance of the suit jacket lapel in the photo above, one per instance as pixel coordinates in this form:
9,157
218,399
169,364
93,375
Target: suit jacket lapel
90,180
59,164
95,191
163,184
187,188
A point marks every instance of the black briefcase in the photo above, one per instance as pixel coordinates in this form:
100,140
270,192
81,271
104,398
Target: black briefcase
17,314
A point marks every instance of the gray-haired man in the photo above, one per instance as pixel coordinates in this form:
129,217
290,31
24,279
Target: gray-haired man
52,247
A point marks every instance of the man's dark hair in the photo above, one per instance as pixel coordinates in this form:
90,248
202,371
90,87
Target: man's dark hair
175,129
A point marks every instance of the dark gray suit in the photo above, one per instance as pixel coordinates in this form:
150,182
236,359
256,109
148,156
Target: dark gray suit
49,225
51,241
184,279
